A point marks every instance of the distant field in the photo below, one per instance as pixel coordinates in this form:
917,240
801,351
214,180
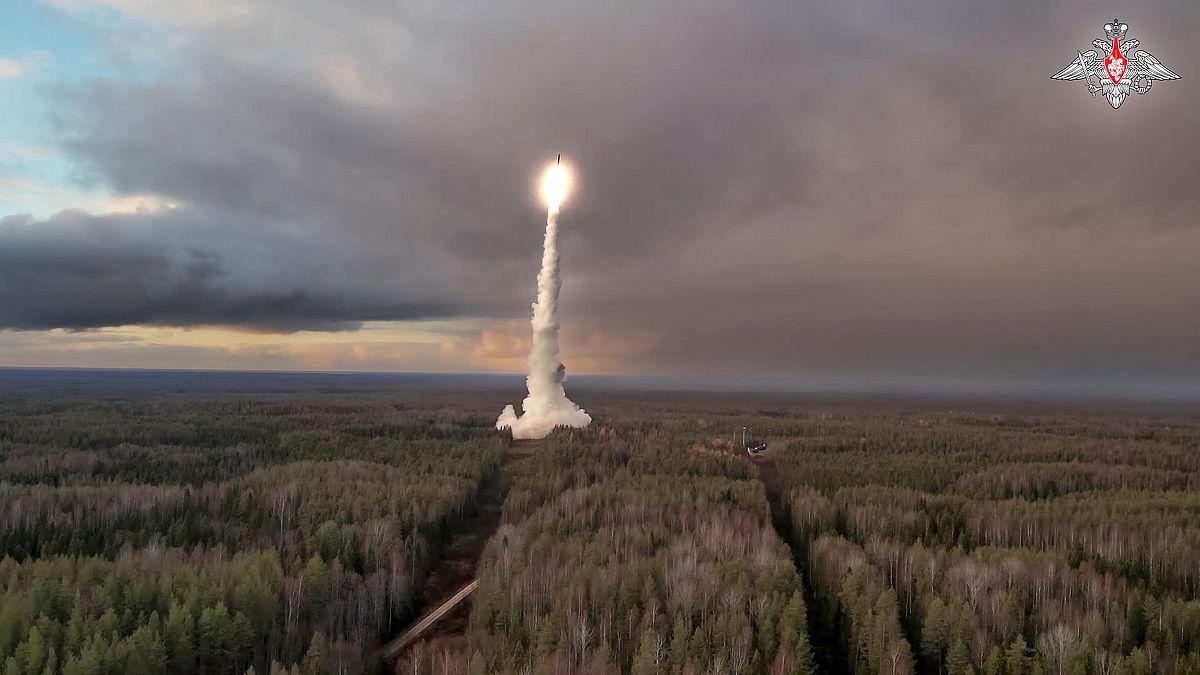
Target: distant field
214,523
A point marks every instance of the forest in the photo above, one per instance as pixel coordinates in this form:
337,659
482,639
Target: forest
145,531
291,527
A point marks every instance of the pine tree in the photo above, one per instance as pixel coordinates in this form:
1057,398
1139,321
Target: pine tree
11,626
73,641
933,632
71,667
1016,658
1137,663
1189,664
546,637
767,633
805,664
32,652
316,584
958,659
179,639
794,620
316,659
147,655
994,665
646,660
91,660
217,649
679,641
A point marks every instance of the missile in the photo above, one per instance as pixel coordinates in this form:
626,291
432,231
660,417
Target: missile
556,181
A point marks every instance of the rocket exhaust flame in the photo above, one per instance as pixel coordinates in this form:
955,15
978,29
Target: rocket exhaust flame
547,405
555,184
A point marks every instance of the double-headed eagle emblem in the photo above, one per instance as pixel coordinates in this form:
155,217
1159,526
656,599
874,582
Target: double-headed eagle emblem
1115,73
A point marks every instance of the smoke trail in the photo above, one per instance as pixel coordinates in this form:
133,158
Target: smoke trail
547,405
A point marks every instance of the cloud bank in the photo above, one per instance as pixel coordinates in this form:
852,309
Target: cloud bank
864,190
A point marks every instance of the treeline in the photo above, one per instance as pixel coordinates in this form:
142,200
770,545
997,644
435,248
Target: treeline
1151,538
1003,547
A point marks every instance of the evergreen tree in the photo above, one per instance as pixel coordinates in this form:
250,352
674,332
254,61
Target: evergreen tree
179,639
933,632
994,665
793,622
316,659
646,660
51,663
31,653
805,663
546,637
216,643
958,659
1016,658
1138,663
679,641
147,655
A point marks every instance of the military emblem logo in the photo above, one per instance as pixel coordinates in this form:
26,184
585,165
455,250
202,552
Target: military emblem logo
1122,68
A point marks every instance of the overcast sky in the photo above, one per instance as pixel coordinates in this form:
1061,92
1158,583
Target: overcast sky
861,191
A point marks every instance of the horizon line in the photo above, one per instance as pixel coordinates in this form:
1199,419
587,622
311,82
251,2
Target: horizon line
952,388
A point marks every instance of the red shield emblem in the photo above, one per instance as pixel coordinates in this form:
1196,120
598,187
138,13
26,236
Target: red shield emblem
1115,63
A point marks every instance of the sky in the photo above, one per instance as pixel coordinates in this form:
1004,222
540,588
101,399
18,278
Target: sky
867,193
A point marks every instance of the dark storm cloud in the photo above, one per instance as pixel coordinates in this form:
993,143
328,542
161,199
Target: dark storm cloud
876,187
79,271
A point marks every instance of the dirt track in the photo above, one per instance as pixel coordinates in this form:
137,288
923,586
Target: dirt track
457,567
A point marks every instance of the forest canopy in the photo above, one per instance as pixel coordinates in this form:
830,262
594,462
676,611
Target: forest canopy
157,529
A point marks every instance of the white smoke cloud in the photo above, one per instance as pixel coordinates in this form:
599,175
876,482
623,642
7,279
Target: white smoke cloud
547,406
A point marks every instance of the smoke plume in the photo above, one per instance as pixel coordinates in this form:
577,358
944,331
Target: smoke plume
547,405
